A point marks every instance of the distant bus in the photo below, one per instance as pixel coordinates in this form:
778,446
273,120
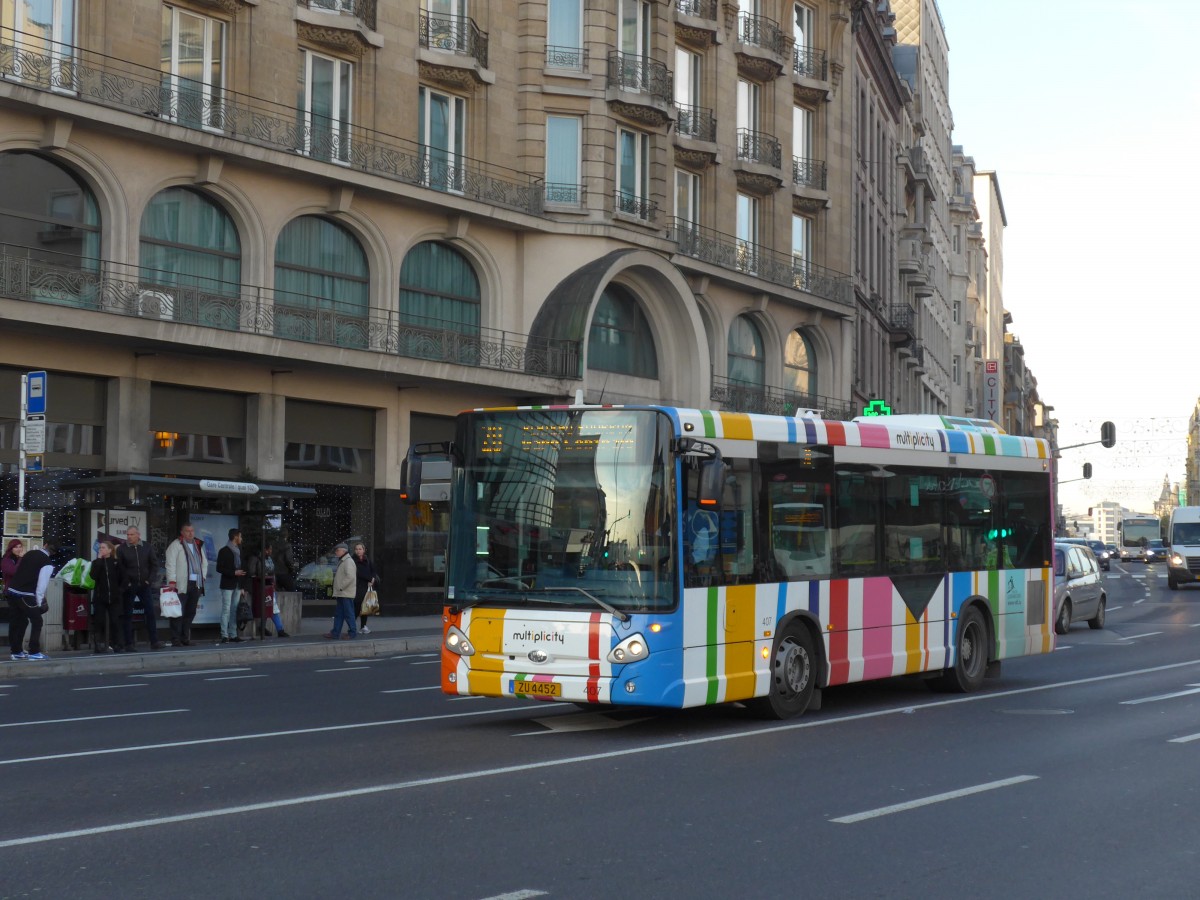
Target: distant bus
679,557
1135,532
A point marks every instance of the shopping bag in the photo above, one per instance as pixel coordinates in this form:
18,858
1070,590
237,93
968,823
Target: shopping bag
243,613
77,573
370,605
170,605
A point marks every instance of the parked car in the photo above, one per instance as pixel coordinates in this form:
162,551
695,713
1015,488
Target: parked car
1078,587
1155,551
315,579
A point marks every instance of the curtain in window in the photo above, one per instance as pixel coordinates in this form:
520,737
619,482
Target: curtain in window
562,159
563,28
799,369
619,339
320,263
746,363
439,289
188,239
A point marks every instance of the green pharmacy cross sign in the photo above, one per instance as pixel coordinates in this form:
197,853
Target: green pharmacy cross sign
877,408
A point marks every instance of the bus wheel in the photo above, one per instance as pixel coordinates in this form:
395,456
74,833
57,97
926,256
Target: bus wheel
971,658
793,676
1063,623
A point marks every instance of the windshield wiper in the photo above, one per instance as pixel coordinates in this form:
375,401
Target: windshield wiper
604,604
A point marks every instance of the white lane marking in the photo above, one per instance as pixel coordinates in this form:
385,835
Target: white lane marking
929,801
413,655
109,687
194,672
428,662
234,677
1115,608
410,690
1195,690
519,895
1131,637
344,669
157,712
1184,740
1136,602
257,736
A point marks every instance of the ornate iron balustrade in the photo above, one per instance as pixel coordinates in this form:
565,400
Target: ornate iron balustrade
573,58
640,74
700,9
363,10
458,34
108,287
809,63
741,396
696,122
633,205
564,194
760,31
109,82
809,172
901,318
783,269
757,147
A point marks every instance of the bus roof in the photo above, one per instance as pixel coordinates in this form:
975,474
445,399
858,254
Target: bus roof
944,434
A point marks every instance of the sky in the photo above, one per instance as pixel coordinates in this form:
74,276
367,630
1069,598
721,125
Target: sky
1087,110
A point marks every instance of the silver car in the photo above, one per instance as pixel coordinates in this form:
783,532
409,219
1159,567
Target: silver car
1078,587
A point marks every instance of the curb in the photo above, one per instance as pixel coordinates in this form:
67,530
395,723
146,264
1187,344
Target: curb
217,657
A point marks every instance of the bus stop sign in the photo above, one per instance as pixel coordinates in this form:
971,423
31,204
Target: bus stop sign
35,394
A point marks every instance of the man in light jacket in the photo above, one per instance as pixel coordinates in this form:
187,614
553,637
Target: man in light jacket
345,580
186,567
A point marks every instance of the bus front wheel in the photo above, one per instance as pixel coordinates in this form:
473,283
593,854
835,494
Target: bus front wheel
970,663
793,675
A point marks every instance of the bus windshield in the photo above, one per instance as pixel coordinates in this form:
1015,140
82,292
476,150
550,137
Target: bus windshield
563,507
1139,532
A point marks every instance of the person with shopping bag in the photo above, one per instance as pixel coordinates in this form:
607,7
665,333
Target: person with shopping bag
186,567
365,577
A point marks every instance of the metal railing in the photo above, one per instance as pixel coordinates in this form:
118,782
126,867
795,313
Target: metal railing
638,207
565,194
742,396
783,269
105,81
109,287
640,74
760,31
902,318
809,63
757,147
696,122
363,10
700,9
458,34
573,58
811,173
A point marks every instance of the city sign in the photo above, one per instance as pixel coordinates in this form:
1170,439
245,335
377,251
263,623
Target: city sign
228,487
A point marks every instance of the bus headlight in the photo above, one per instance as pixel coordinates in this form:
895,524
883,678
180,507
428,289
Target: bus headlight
456,642
632,649
1176,560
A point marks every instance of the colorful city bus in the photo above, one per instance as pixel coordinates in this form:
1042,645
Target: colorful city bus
671,557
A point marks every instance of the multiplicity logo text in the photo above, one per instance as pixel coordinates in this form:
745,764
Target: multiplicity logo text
914,439
554,637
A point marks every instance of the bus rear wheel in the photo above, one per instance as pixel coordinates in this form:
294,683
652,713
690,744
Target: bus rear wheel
971,656
793,675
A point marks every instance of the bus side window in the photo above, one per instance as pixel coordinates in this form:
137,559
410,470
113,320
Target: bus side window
1025,528
913,523
857,512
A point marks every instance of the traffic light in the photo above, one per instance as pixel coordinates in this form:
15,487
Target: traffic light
1108,436
1087,470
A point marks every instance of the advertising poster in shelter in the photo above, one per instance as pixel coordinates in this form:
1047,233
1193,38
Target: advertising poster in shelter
213,530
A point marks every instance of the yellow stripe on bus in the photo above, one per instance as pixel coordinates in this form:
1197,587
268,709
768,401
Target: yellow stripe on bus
915,658
736,426
739,640
487,668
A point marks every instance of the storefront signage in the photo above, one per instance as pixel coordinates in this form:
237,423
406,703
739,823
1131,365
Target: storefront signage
228,487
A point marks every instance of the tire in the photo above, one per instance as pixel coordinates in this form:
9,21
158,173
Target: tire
1096,622
793,675
1171,582
1063,623
970,657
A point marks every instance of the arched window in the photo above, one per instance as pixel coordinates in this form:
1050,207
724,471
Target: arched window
188,239
320,267
746,363
620,339
47,212
439,289
799,365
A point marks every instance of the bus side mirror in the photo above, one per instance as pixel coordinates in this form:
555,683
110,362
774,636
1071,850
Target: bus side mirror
711,483
410,478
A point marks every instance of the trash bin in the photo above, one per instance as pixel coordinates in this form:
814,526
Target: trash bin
76,618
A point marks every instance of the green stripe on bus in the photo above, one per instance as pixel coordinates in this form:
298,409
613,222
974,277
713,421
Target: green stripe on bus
710,424
989,444
710,660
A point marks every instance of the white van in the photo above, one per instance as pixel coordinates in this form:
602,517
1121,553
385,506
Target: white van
1183,538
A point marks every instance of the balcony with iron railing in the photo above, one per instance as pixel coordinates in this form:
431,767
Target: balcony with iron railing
212,113
696,122
363,10
634,206
455,34
760,47
741,396
103,286
573,59
642,88
758,147
809,173
809,63
744,257
902,321
697,9
565,196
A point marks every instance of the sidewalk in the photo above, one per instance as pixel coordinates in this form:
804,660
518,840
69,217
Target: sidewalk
389,635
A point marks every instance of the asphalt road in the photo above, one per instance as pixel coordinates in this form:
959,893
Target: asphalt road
1073,774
